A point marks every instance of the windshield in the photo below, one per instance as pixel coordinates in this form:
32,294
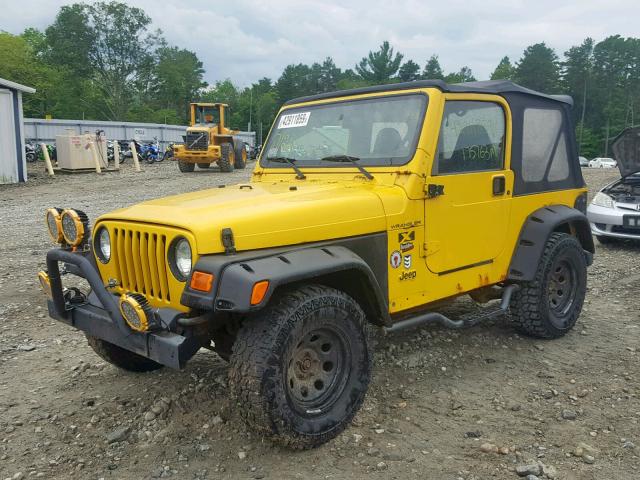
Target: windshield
207,115
374,131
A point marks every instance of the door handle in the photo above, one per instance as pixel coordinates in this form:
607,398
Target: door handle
499,185
434,190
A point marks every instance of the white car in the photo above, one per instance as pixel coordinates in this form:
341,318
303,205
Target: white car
583,161
602,162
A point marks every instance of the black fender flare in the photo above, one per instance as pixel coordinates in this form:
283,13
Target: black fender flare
537,229
332,265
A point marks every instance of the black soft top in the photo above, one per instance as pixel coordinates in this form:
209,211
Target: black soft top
497,87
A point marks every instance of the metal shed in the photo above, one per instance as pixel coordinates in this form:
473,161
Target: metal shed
13,166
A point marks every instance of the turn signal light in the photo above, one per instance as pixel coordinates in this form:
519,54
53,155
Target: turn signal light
201,281
259,291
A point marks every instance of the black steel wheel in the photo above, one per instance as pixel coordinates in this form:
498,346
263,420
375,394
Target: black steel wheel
549,305
301,367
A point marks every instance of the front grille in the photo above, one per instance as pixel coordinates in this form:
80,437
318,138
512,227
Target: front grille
197,141
140,263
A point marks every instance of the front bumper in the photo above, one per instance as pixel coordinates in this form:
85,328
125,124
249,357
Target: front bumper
100,315
211,154
609,222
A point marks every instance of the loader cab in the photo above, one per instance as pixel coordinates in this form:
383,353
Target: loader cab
209,115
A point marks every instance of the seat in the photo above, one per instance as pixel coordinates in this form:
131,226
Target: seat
465,157
387,142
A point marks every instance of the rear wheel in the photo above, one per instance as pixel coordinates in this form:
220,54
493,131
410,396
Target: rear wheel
549,305
204,165
120,357
186,167
301,367
241,156
227,157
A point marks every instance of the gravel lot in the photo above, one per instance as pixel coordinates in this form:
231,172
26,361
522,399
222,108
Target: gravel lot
473,404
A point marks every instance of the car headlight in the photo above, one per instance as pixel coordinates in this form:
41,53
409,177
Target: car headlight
102,245
181,259
603,200
75,226
54,224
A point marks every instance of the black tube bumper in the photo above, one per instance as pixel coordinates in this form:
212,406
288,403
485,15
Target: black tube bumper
101,317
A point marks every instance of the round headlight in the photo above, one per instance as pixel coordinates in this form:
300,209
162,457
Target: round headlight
102,245
73,227
182,258
54,224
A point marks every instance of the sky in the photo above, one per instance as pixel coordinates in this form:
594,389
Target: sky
246,40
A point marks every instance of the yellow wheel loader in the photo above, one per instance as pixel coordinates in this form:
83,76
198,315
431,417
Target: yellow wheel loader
208,140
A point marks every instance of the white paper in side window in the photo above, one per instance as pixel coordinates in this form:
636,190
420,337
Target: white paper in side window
294,120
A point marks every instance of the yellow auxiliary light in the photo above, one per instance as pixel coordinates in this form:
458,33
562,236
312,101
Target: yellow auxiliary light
45,283
136,311
54,224
75,226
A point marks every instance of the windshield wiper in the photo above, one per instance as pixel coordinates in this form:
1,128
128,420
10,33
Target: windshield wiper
290,161
348,159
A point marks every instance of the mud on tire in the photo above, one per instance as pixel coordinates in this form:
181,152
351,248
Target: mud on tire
301,367
120,357
549,305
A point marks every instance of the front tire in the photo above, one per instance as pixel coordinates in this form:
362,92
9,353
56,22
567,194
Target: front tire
120,357
227,158
240,156
186,167
301,367
549,305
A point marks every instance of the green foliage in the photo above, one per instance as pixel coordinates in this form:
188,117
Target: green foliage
433,70
409,71
464,75
538,69
380,66
504,70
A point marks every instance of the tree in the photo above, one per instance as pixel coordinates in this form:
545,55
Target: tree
409,71
324,76
295,81
433,70
463,75
576,75
538,69
379,67
178,79
504,70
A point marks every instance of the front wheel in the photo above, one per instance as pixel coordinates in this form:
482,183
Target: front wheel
301,367
122,358
549,305
186,167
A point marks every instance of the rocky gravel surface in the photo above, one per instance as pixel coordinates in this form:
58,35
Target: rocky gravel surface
483,403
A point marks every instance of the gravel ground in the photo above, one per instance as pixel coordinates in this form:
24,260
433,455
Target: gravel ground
474,404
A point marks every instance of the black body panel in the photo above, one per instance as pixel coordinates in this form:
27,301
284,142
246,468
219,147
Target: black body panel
535,232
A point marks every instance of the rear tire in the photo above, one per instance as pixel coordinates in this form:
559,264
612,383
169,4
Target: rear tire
121,358
240,156
301,367
549,305
204,166
186,167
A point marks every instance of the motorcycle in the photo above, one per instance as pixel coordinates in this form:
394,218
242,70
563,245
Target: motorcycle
168,152
30,152
150,152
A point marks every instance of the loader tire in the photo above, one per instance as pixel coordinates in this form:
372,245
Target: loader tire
227,157
186,167
204,166
240,156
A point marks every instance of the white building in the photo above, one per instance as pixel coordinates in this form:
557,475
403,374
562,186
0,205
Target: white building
13,165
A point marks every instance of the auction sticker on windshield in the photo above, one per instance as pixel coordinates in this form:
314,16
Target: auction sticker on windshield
294,120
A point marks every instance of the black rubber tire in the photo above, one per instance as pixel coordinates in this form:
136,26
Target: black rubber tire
604,240
530,308
227,158
204,166
186,167
240,161
262,359
120,357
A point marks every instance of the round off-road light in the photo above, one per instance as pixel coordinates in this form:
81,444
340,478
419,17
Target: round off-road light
102,245
136,311
54,224
75,226
45,283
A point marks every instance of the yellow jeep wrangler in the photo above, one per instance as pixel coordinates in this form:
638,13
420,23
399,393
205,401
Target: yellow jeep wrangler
366,207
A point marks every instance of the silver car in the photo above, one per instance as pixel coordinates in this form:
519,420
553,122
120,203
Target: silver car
614,212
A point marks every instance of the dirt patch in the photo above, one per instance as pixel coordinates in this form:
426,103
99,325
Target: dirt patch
470,404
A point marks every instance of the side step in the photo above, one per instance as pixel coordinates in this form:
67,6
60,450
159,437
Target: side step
464,321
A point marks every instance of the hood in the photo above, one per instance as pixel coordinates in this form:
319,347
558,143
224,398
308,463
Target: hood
264,215
626,149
